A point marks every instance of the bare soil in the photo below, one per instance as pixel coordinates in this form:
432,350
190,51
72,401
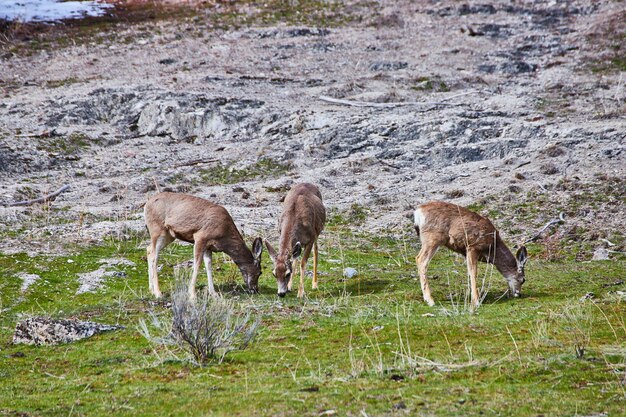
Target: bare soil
515,107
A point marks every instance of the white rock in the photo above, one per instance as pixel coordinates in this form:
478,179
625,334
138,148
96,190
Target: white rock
27,280
349,272
600,254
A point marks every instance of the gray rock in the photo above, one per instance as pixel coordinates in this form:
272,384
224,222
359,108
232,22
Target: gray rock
588,296
388,66
349,272
46,331
600,254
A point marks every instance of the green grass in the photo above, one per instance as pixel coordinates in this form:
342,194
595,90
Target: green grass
70,144
366,344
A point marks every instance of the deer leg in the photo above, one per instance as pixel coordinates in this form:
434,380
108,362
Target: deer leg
301,287
303,261
198,253
149,253
208,265
472,269
315,265
153,258
294,265
422,260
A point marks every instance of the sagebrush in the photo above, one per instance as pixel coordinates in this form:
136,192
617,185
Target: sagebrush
206,328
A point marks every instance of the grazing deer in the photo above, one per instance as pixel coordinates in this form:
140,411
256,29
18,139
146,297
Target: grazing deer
209,227
438,223
300,225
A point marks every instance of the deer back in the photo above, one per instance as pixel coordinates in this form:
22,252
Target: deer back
303,217
456,227
186,217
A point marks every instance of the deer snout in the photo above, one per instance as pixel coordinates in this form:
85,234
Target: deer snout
282,294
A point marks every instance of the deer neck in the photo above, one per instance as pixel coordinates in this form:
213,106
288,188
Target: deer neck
504,260
288,239
239,253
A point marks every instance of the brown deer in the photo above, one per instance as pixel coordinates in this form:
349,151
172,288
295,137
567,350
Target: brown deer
301,223
209,227
438,223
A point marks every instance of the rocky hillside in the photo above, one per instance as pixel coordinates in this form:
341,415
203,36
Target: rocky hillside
515,107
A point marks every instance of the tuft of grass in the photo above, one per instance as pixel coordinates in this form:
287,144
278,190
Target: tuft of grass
355,215
71,144
61,83
425,83
263,168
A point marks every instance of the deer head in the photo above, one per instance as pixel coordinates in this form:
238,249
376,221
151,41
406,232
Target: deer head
283,265
516,278
252,272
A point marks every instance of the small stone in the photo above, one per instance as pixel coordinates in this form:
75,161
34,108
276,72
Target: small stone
388,66
399,406
167,61
600,254
349,272
587,296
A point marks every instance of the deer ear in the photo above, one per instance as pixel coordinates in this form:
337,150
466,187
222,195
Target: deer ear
521,256
297,250
257,248
270,250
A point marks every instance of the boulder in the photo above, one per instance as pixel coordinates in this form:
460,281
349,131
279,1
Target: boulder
47,331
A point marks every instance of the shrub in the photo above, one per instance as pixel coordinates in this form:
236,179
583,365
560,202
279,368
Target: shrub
206,329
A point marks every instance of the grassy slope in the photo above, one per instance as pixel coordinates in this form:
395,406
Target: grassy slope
338,350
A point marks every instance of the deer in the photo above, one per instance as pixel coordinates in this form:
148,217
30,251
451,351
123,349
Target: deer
438,223
300,225
170,216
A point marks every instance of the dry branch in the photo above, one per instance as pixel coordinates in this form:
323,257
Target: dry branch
196,162
552,222
44,199
395,104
